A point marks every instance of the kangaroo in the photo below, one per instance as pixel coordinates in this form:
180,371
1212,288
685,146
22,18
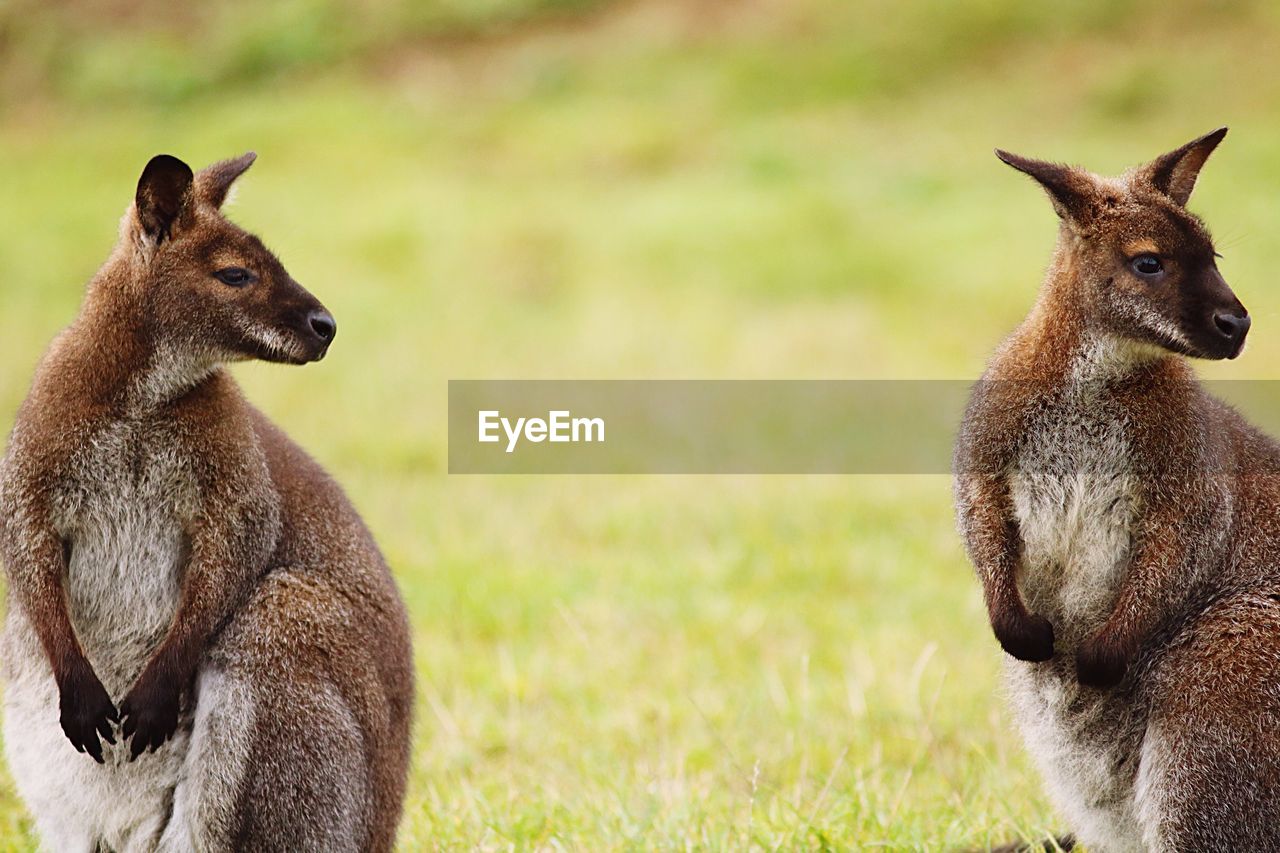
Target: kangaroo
184,578
1125,525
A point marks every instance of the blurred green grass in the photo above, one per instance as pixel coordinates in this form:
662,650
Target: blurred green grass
525,189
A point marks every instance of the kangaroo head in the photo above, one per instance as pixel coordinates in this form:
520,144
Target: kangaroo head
1140,265
211,291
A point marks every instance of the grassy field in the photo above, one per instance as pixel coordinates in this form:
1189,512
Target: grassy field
655,190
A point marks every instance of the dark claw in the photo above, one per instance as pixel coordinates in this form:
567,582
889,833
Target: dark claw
1029,638
104,729
149,714
85,712
1100,664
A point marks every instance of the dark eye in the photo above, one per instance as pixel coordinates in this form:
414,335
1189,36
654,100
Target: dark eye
234,276
1147,265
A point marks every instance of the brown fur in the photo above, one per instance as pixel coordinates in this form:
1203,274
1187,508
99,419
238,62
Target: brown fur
281,588
1142,693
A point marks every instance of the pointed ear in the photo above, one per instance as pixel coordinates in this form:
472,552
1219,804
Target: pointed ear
164,191
1175,173
1073,191
213,182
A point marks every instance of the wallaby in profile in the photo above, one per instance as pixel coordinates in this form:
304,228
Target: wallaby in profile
1126,525
177,565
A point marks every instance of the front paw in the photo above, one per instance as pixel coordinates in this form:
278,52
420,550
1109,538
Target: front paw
1028,637
1100,663
86,712
149,714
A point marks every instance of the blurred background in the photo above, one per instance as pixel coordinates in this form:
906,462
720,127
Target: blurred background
646,189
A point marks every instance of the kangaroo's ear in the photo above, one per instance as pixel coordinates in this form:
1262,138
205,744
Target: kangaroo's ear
1175,173
1074,192
214,182
164,191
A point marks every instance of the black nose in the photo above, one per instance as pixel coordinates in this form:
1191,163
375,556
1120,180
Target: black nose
323,324
1231,325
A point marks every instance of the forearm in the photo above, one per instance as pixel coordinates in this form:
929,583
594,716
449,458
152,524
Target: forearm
37,565
36,562
227,552
994,545
991,539
1160,573
210,591
1163,570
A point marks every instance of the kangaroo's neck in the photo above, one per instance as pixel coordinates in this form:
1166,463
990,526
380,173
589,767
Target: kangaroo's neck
120,360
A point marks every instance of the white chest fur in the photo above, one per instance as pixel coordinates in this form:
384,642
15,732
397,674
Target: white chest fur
125,518
1075,500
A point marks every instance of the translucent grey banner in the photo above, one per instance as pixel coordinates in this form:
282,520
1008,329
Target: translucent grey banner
731,427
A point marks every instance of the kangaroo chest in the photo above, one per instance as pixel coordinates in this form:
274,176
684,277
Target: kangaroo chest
1075,499
124,516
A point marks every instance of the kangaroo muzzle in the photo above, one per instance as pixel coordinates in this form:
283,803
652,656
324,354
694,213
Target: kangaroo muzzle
1232,326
